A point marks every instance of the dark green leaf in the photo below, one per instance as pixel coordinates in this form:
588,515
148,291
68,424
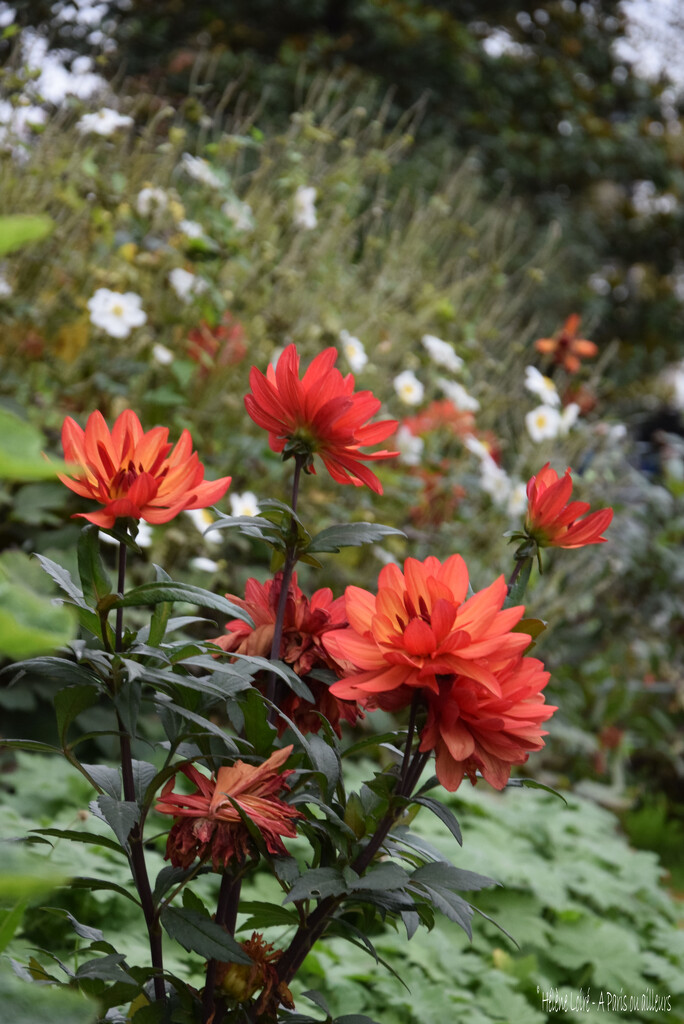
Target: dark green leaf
69,703
317,884
108,779
319,1000
443,813
34,745
91,838
127,703
383,877
96,884
95,580
199,934
57,670
530,784
84,930
351,535
120,815
325,759
206,726
63,579
167,878
143,773
9,922
159,622
448,876
108,968
517,591
158,593
264,915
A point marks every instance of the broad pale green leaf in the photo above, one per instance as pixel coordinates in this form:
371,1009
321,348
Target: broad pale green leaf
197,933
21,447
97,884
19,229
346,535
26,1003
30,623
108,968
9,922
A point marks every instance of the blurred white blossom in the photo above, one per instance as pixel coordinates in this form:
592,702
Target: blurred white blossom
245,504
191,229
409,388
185,284
116,312
203,564
541,386
150,200
305,207
495,481
5,287
239,213
162,355
442,353
543,423
202,518
354,352
458,395
568,418
517,499
409,446
201,170
104,122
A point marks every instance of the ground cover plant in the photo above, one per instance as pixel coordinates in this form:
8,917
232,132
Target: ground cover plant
175,262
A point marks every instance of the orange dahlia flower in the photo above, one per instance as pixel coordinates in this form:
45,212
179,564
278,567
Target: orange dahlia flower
421,634
133,474
241,981
555,521
319,414
305,624
207,822
566,348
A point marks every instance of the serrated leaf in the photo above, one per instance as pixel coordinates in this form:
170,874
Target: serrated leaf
107,778
444,814
143,773
325,760
62,578
383,877
205,724
158,593
120,815
107,968
95,580
317,884
333,538
197,933
447,876
69,703
84,930
264,915
167,878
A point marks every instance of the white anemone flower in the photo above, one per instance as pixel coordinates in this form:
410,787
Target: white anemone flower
202,519
517,499
191,229
304,215
541,386
5,287
104,122
477,447
162,355
151,200
354,352
239,214
543,423
442,353
245,504
203,564
568,418
495,481
186,285
201,170
409,446
458,395
116,313
409,388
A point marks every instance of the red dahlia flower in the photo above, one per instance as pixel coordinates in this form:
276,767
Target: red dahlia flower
304,626
135,475
566,348
208,824
319,414
554,521
421,635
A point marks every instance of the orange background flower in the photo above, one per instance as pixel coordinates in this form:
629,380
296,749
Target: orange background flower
319,414
555,521
133,474
566,348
